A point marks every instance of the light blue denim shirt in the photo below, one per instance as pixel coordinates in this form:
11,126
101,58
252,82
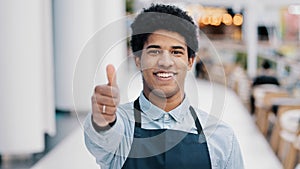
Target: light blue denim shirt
111,147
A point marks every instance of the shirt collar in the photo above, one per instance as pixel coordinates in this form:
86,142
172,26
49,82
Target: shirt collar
155,112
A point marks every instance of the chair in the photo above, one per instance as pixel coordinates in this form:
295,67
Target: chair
263,112
274,139
289,138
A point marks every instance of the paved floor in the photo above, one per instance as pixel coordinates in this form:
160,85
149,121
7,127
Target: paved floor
66,123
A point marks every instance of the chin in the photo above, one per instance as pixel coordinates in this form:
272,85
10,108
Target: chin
164,93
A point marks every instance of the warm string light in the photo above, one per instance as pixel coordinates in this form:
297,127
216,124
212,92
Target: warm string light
237,19
217,16
227,19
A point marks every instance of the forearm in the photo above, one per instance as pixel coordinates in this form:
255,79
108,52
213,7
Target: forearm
110,146
103,144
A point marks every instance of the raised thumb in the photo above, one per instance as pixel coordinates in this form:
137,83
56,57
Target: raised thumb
111,75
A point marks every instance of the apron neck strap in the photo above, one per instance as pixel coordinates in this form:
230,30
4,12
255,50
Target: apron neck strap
196,119
137,113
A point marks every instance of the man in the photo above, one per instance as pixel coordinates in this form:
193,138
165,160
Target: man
267,76
160,129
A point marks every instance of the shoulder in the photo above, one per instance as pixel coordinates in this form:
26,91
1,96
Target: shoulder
212,122
214,127
220,137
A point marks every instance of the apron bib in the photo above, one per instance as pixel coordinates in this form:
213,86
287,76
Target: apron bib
167,149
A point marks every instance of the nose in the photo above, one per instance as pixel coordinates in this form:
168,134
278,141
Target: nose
165,60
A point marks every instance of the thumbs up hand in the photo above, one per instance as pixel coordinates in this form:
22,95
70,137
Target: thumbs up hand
105,99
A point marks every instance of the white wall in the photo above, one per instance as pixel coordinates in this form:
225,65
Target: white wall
26,100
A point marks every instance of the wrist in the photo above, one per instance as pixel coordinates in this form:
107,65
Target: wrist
102,128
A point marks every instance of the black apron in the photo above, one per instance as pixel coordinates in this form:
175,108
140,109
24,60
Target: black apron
167,149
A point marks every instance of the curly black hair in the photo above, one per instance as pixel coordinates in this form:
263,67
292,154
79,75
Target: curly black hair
163,17
266,64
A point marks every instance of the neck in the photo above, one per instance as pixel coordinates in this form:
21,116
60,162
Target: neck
163,102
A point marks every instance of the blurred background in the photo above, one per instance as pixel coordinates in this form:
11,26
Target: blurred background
53,52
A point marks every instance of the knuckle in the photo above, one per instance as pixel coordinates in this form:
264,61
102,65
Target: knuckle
110,111
101,100
99,89
96,89
114,109
116,101
115,91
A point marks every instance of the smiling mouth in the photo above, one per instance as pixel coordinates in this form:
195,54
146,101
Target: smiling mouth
165,75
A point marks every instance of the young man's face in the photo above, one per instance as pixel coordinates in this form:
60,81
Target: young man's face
164,63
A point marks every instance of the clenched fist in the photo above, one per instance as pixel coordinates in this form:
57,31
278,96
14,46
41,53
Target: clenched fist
105,100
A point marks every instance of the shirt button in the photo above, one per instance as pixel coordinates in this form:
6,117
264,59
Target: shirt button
166,117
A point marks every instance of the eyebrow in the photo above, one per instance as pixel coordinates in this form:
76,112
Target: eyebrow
178,47
158,47
153,46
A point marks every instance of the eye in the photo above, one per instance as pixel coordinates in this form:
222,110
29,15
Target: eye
177,52
153,52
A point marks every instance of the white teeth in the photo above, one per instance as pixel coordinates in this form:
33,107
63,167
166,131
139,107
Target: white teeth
165,75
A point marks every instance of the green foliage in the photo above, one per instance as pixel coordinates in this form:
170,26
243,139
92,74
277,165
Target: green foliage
241,59
129,6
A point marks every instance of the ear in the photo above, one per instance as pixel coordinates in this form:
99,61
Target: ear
137,61
190,62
